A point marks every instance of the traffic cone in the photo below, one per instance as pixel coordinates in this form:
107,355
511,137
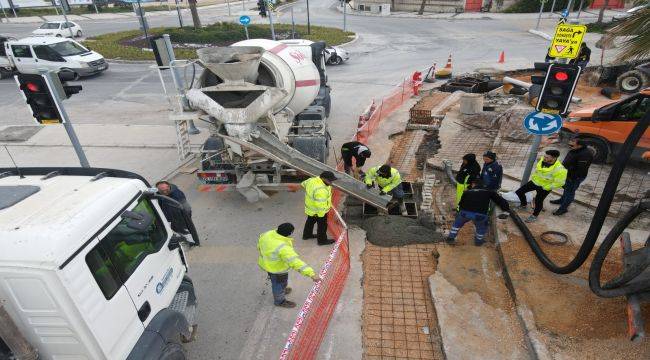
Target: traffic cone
502,57
446,71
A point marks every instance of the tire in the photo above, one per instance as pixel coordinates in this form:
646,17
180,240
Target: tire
599,148
172,351
631,82
79,33
336,60
59,35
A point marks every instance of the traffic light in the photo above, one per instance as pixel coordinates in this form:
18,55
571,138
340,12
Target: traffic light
69,90
40,98
557,89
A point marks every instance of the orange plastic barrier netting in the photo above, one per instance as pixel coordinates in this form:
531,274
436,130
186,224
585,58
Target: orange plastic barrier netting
313,318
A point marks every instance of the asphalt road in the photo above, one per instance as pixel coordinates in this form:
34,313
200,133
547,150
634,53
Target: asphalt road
233,293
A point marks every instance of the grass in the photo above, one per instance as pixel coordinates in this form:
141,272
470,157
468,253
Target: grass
115,45
81,10
599,27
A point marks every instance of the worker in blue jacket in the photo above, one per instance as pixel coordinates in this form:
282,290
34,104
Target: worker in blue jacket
492,172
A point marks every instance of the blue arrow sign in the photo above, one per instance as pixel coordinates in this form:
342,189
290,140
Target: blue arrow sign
565,13
244,20
539,123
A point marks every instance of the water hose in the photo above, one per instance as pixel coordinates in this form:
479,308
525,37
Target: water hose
601,212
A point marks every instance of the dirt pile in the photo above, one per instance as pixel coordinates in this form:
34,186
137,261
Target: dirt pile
390,230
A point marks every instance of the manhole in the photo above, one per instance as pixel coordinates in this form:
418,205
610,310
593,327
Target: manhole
18,133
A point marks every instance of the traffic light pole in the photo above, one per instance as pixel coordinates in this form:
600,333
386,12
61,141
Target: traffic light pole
50,78
270,19
65,17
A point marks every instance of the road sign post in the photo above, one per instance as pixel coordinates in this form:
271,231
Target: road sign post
538,124
245,20
270,10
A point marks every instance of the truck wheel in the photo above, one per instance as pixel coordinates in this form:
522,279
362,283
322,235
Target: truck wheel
631,82
599,148
172,351
79,33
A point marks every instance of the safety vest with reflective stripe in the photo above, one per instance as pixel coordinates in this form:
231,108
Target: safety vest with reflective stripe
385,184
277,255
549,178
318,197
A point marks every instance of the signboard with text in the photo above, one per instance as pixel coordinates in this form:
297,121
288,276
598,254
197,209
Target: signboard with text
566,41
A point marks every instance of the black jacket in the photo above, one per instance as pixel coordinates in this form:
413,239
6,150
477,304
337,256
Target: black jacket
577,162
478,200
353,149
468,172
492,175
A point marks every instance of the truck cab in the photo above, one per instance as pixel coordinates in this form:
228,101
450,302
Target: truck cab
33,54
605,127
90,268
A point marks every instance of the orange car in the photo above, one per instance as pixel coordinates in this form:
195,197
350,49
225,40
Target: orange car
606,126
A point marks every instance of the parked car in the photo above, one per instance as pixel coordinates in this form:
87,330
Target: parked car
59,29
335,55
629,12
30,55
606,126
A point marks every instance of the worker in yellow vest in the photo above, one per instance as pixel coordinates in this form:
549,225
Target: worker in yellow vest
389,182
276,257
318,202
549,174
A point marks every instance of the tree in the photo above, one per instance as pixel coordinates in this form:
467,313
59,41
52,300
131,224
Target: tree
601,13
195,14
634,28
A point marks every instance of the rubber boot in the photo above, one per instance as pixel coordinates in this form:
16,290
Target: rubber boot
402,208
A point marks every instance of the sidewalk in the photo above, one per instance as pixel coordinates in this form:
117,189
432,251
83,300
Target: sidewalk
480,15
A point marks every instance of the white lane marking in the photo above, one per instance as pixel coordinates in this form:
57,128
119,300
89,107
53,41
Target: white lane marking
130,86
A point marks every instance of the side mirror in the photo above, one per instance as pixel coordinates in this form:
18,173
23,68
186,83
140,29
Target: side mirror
177,215
137,220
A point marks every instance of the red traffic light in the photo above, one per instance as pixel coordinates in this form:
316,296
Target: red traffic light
32,87
561,76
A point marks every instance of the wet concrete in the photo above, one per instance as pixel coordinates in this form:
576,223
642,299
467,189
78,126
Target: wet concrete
391,230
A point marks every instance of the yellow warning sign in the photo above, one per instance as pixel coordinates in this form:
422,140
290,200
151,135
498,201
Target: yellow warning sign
567,40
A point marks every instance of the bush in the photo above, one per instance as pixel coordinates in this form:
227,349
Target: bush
532,6
119,45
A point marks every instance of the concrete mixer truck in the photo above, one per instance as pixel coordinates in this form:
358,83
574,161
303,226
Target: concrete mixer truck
267,104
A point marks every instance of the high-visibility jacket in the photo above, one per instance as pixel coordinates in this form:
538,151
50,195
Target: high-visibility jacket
385,184
318,197
549,178
277,255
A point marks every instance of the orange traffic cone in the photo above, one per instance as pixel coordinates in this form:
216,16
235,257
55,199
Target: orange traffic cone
446,71
502,57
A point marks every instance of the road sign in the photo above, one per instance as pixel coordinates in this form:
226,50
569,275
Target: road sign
565,13
566,41
244,20
539,123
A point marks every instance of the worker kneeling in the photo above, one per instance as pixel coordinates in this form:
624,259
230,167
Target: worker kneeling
474,206
389,181
276,257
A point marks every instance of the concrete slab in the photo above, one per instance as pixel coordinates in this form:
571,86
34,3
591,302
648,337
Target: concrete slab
110,16
18,133
23,20
476,316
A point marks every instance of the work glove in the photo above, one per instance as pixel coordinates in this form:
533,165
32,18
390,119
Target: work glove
369,186
382,192
316,278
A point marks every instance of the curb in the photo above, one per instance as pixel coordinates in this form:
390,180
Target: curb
540,34
120,61
356,37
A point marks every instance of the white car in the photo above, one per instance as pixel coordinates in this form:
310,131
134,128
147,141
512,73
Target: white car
58,29
629,12
335,55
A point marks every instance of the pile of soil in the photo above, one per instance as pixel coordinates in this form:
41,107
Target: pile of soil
392,230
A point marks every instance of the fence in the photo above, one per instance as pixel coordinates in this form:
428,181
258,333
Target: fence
313,318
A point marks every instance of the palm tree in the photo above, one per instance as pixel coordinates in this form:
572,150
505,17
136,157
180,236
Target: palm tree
635,29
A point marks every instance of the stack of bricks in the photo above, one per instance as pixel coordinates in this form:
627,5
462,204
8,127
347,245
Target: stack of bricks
399,320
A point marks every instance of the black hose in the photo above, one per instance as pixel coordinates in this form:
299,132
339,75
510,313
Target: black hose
603,250
601,212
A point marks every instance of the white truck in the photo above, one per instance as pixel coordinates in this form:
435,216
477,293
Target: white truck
33,54
90,268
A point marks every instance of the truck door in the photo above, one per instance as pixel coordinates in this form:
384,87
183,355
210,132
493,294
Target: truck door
24,59
150,271
627,114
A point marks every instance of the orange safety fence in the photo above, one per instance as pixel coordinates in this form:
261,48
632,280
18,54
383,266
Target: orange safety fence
313,318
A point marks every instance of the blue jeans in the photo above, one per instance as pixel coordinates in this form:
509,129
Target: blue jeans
570,187
278,284
397,192
481,222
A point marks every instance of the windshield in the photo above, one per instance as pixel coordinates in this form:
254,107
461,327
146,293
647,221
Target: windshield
68,48
50,26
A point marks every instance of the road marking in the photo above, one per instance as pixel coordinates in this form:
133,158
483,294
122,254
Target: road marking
255,334
130,86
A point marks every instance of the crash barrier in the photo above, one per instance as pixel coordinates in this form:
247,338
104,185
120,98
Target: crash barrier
378,110
313,318
314,315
